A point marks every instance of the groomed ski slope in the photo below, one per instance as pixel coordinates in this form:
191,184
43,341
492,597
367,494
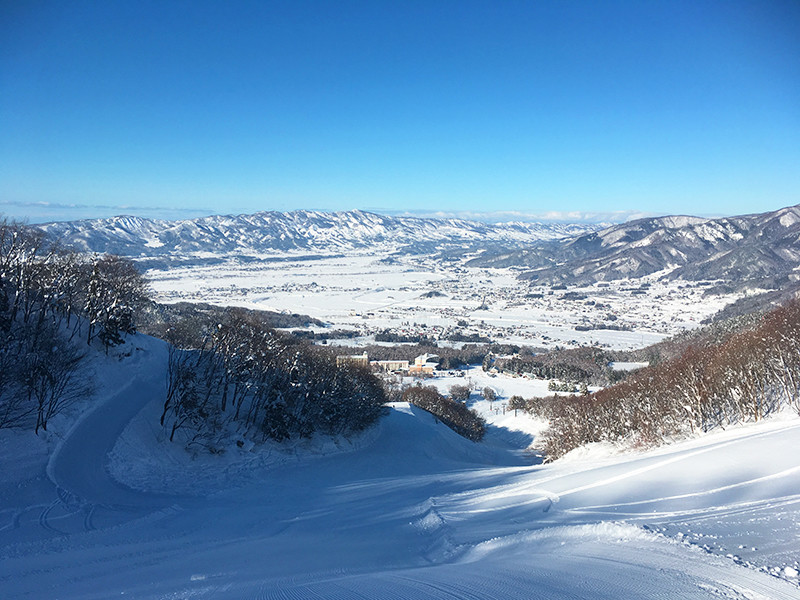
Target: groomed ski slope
411,510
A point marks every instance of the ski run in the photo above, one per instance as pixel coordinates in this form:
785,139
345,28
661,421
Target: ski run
99,508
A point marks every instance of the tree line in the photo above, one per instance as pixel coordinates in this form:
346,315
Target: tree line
239,377
587,365
53,303
751,374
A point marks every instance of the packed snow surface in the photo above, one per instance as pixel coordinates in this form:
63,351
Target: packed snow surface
407,510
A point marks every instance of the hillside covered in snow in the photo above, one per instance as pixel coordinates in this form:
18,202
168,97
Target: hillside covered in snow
103,507
759,248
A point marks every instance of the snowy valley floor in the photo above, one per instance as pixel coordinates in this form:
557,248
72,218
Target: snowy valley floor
410,510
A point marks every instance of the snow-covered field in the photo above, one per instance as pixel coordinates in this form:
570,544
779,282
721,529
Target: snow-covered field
407,510
415,295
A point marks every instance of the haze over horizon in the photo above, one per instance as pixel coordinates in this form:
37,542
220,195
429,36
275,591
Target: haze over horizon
548,111
42,213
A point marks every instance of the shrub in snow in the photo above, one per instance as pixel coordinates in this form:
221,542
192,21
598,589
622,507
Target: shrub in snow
460,393
489,394
454,414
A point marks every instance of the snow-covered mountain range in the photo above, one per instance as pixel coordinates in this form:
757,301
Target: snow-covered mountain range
756,247
299,230
759,248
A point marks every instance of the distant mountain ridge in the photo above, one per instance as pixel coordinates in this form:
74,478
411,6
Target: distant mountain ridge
298,230
759,247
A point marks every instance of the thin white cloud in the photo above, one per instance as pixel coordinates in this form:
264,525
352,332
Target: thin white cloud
546,217
40,212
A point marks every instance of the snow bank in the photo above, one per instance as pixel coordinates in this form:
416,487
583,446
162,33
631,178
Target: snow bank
544,540
144,459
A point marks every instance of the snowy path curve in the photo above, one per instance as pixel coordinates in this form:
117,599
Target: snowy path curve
79,465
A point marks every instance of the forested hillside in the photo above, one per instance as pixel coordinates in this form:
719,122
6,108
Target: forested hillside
240,377
750,374
55,304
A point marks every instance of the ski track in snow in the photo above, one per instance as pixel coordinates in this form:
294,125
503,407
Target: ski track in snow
417,513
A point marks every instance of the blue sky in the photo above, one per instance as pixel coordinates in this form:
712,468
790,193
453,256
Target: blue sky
547,108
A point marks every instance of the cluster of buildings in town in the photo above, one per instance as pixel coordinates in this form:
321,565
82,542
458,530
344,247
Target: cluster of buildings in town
424,364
